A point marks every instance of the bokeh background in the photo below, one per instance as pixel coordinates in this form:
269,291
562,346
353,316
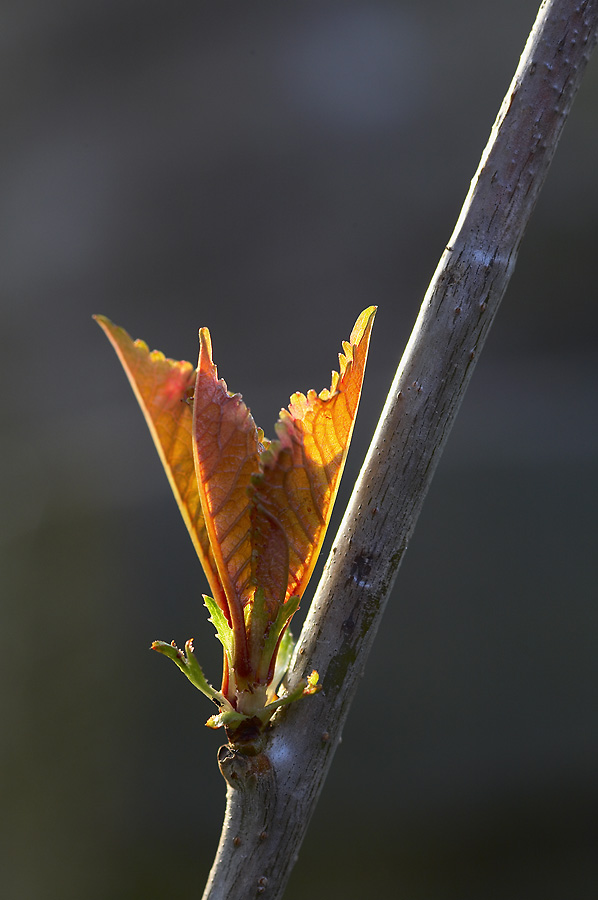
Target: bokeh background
270,169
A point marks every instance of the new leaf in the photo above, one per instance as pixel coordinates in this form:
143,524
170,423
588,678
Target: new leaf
163,387
257,511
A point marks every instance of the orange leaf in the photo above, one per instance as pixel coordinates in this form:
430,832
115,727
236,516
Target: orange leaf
266,512
225,449
257,512
162,387
301,470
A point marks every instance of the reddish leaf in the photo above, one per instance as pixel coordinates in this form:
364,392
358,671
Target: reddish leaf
302,469
266,512
257,512
225,448
162,387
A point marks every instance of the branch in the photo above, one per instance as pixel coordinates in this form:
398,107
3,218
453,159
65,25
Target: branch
271,796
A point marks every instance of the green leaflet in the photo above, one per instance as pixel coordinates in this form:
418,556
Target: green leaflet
224,632
284,614
285,651
190,667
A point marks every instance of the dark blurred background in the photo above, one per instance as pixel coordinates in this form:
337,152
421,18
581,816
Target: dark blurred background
270,170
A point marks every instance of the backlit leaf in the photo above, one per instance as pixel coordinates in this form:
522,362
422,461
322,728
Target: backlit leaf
163,387
225,448
257,511
301,470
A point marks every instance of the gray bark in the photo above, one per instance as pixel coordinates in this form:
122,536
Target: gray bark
271,796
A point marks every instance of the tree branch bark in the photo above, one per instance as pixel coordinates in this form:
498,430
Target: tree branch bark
271,796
